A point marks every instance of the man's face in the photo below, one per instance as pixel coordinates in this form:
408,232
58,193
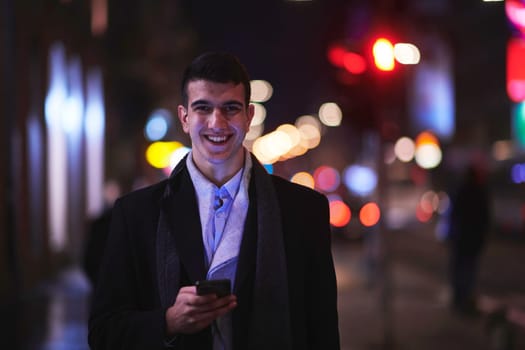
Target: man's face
217,120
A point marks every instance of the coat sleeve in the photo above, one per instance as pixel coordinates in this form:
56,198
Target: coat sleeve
121,317
321,295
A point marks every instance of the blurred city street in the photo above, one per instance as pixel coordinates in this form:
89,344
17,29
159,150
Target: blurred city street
54,316
380,105
420,317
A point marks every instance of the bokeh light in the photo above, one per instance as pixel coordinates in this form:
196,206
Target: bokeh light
286,142
326,178
383,52
502,150
303,178
177,155
308,120
259,114
429,201
515,10
426,137
336,55
518,173
262,90
389,153
428,153
310,135
340,213
297,150
406,53
360,179
422,215
354,63
369,214
428,156
518,120
254,132
269,168
404,149
158,154
280,142
293,134
158,124
330,114
265,151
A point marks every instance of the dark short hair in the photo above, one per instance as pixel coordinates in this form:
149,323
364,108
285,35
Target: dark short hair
218,67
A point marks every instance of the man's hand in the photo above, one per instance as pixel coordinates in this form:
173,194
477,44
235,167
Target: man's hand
191,312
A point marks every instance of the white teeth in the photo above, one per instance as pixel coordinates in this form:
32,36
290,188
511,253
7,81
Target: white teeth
217,138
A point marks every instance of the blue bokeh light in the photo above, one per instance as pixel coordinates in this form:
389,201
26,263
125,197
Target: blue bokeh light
360,179
158,124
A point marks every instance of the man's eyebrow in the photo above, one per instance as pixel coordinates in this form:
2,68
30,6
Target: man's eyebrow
226,103
200,102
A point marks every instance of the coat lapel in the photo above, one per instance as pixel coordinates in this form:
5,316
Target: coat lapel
246,262
181,211
270,317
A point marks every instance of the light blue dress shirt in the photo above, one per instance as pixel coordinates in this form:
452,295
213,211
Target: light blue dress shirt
222,230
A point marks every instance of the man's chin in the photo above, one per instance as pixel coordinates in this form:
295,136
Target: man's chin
218,158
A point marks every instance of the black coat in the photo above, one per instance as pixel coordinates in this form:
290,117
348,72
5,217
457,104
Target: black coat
127,312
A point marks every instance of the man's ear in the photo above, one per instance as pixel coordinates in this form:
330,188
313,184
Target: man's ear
251,114
183,117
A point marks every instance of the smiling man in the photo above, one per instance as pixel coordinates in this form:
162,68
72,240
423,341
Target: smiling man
217,119
220,216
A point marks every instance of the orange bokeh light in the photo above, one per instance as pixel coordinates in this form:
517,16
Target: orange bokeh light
340,213
370,214
425,138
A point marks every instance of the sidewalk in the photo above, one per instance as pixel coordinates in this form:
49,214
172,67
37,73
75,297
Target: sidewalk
54,317
419,316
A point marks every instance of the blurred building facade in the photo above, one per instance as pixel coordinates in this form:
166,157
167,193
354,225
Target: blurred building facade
51,92
78,80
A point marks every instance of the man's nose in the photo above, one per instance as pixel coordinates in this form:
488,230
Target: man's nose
217,119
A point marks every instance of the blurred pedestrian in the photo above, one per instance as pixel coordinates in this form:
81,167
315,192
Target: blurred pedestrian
220,215
468,228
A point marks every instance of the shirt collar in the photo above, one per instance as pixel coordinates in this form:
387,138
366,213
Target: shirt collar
205,188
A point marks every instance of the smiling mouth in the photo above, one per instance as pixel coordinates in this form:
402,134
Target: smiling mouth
217,139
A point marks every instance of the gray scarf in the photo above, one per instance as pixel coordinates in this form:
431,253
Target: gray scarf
270,319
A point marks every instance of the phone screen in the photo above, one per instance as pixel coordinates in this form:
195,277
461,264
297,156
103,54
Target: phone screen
220,287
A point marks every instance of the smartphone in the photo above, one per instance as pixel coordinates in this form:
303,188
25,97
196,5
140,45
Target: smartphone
220,287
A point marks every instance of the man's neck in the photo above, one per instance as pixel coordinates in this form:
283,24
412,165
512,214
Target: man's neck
219,178
219,174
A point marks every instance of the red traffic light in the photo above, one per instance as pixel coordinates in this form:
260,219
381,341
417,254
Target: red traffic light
516,69
342,58
383,53
354,63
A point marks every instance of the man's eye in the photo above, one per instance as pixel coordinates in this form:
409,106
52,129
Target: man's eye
203,108
232,109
